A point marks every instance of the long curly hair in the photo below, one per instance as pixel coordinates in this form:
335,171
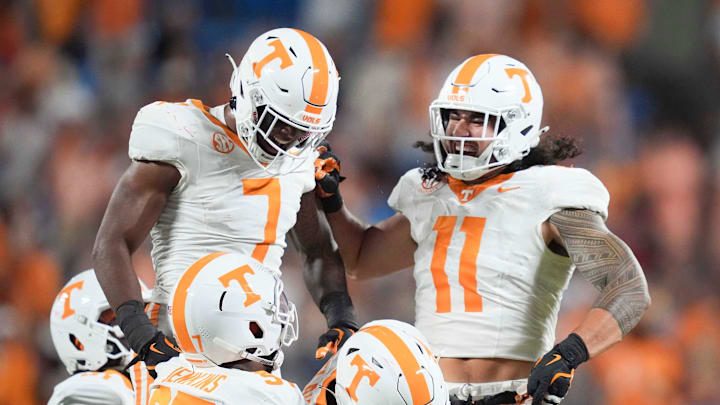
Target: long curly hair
551,150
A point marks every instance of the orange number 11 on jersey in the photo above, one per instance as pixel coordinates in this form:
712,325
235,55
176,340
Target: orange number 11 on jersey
473,228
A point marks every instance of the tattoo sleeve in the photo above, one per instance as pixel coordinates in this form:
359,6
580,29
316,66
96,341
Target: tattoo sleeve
607,262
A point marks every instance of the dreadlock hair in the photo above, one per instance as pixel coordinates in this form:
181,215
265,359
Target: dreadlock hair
429,170
551,150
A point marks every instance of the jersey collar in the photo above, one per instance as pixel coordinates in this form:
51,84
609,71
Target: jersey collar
465,193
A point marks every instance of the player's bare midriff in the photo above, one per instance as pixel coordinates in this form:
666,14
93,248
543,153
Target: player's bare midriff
483,370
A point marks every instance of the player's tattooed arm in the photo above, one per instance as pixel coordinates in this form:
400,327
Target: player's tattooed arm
607,262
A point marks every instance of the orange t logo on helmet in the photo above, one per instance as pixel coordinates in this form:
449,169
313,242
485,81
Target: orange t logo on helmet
278,53
523,76
239,276
362,371
67,311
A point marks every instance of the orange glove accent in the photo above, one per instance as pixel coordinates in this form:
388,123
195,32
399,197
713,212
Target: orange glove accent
332,340
327,179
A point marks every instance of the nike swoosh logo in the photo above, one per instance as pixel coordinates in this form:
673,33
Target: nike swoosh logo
502,189
152,348
167,342
557,357
566,375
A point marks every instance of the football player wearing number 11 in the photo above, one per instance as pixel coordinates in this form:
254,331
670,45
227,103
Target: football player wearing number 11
236,178
494,232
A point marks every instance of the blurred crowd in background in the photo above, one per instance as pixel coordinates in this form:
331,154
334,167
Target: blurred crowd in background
636,80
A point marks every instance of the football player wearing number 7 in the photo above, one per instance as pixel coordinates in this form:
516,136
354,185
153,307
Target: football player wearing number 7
236,177
494,232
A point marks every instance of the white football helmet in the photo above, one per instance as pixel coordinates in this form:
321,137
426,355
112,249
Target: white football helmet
386,362
81,326
287,76
229,307
494,85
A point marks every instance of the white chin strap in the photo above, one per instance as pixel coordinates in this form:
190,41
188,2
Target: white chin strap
275,363
464,167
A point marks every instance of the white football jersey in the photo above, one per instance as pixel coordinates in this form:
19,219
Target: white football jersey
180,382
223,202
487,286
93,387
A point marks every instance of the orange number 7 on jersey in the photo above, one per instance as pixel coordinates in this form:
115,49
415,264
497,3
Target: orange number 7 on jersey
270,188
473,228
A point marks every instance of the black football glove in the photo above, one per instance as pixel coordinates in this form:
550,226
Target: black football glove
332,340
160,349
327,179
151,345
551,376
342,323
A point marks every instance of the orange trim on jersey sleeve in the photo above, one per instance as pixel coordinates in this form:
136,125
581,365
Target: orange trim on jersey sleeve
467,71
321,74
472,191
229,132
408,363
180,299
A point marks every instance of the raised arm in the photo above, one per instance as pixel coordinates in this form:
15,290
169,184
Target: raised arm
367,250
372,250
136,204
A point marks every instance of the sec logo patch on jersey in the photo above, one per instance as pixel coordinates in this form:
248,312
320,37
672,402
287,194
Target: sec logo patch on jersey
222,142
428,186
